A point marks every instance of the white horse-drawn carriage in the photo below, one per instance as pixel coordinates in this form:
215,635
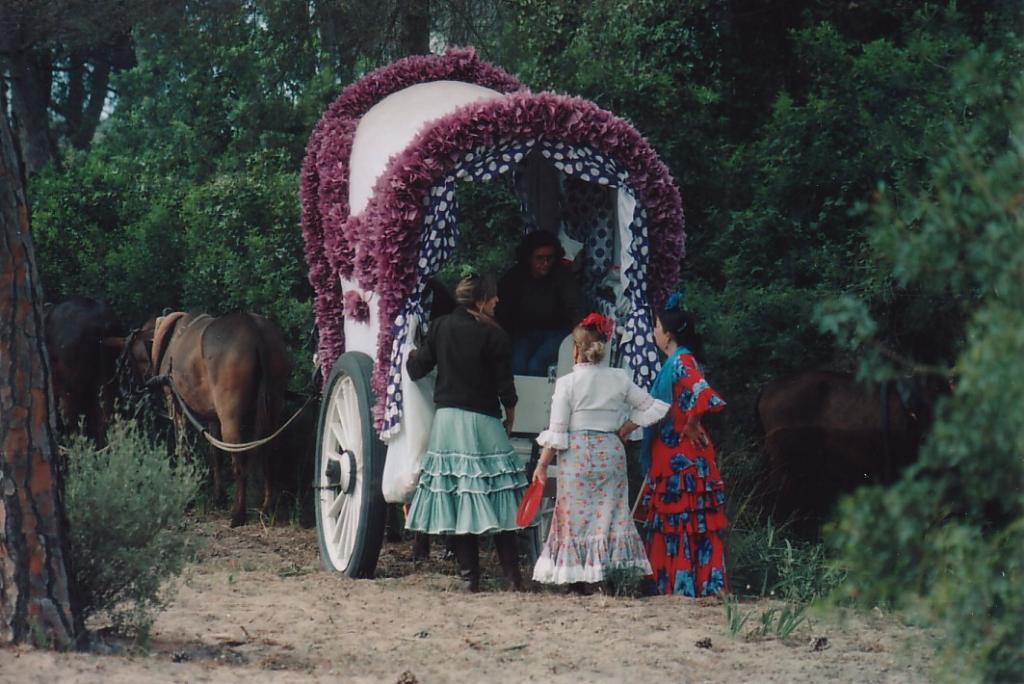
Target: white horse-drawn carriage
380,188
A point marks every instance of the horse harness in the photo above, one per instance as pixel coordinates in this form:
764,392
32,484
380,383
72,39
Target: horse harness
164,331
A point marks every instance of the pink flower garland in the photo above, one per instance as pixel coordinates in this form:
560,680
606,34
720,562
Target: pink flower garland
394,215
331,236
391,226
356,307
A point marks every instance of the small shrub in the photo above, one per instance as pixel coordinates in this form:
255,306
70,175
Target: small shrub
126,510
790,617
735,619
625,581
764,563
778,623
805,574
765,628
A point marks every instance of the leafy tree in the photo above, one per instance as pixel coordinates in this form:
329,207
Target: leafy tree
948,537
189,199
59,57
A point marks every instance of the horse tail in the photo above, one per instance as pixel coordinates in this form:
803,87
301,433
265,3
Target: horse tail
263,390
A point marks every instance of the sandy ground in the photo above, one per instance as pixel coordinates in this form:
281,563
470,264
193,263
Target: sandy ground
257,608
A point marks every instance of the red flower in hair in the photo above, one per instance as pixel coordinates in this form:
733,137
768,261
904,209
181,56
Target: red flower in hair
601,324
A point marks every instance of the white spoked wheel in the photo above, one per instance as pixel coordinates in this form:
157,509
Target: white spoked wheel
350,508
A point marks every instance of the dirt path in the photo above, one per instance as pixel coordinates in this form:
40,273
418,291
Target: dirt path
257,608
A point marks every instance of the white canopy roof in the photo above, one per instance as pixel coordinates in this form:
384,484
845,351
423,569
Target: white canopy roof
390,125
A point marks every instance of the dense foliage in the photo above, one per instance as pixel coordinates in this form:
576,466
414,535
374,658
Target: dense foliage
949,536
188,199
850,172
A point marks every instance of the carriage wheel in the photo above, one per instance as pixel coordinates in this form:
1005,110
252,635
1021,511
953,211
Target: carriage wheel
350,508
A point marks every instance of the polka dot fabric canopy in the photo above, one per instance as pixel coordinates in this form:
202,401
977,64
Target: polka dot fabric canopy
440,236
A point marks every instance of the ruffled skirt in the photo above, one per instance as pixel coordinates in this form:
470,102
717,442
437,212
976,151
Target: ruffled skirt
592,531
683,508
472,480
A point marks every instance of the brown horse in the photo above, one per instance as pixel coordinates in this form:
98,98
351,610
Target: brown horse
230,372
80,339
825,434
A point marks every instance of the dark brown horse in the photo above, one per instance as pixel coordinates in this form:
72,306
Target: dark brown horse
231,373
81,339
825,434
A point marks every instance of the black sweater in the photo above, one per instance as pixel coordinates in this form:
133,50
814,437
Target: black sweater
474,364
553,302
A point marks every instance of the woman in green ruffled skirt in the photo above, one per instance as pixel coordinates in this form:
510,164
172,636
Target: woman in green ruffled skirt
472,481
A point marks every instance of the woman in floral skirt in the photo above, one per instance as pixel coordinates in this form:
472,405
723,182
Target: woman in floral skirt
592,530
684,496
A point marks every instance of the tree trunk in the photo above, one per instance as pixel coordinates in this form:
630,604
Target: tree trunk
414,30
31,80
89,118
35,597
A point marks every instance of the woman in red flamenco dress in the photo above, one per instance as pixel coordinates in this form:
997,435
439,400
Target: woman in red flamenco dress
684,496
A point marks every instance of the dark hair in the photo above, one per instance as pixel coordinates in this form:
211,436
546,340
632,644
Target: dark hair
681,326
534,241
475,288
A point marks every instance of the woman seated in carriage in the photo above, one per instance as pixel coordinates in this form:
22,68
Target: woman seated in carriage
539,302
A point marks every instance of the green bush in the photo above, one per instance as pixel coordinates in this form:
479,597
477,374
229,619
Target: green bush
948,537
623,580
126,511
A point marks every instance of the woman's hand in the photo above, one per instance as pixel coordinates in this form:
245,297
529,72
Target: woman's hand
695,433
540,474
626,430
540,471
510,419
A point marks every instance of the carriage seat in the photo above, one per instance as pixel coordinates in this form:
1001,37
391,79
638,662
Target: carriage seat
534,408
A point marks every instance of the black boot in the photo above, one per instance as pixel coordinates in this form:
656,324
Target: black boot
507,546
449,546
394,524
421,546
467,555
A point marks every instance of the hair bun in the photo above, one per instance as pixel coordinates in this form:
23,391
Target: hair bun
601,324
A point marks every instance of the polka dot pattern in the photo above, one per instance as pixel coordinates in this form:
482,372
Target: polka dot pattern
588,218
636,346
587,169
